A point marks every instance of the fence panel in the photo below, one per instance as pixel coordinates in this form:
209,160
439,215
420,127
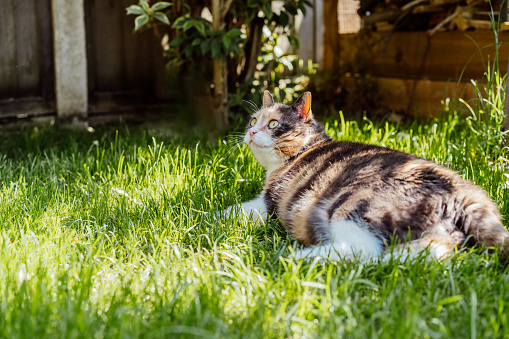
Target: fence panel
26,60
125,69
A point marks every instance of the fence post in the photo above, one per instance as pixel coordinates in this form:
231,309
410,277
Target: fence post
505,123
69,40
330,38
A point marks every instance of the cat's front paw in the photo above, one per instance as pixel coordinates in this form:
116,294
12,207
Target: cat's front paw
218,215
234,211
323,252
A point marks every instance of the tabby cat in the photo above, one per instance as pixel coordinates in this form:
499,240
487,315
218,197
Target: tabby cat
346,200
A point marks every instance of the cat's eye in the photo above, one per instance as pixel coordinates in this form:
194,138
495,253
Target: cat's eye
273,124
252,122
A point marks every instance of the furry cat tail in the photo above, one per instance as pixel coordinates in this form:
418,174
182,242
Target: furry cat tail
480,219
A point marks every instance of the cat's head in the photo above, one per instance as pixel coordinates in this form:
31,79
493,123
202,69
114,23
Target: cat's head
276,132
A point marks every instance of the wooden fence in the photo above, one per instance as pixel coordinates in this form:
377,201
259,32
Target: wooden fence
125,69
415,72
26,58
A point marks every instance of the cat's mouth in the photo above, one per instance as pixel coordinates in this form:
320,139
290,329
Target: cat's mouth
252,143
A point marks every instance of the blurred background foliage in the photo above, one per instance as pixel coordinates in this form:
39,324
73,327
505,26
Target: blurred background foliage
255,39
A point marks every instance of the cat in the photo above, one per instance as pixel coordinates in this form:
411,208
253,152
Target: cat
345,200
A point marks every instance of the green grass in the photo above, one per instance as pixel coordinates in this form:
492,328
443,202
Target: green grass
79,260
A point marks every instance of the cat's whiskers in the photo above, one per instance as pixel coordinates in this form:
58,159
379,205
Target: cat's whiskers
233,148
236,134
253,105
236,140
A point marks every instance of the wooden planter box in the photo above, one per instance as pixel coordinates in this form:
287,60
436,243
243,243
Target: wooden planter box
416,73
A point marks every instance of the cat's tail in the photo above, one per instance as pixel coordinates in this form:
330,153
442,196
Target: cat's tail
480,219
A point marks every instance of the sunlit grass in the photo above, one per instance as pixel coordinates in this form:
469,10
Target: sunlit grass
102,235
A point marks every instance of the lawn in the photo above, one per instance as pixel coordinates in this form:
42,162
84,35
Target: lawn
102,235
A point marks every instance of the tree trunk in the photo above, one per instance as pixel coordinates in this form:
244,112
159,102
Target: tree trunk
252,49
330,36
220,94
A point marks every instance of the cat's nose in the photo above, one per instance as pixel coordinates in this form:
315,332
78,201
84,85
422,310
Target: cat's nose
252,132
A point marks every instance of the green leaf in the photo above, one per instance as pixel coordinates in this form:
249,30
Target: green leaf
186,8
267,9
161,17
188,50
252,3
237,50
134,9
227,41
216,34
284,19
174,63
294,41
160,5
140,21
251,13
303,10
144,5
234,32
177,42
196,41
187,25
205,46
291,9
282,94
179,23
170,53
200,27
215,48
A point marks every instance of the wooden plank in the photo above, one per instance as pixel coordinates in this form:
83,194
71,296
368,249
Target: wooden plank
27,48
427,9
8,83
130,71
108,49
135,67
90,26
24,108
120,60
450,54
47,74
481,24
330,37
427,97
139,58
27,85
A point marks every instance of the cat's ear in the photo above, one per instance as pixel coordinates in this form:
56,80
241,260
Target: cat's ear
267,98
303,106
